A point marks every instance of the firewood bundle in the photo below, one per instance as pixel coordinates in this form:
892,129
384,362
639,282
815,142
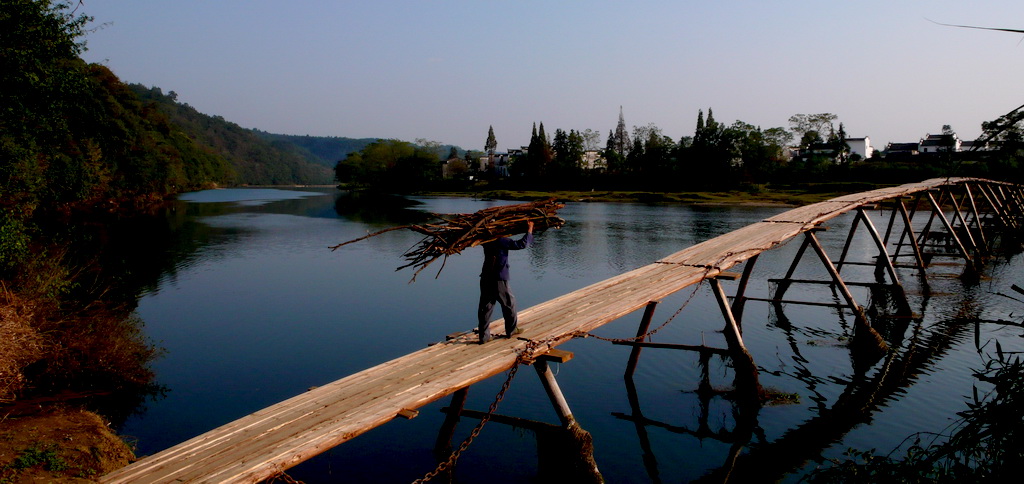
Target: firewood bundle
454,233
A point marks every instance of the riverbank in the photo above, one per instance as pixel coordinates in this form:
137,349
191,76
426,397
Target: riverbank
753,195
51,359
59,445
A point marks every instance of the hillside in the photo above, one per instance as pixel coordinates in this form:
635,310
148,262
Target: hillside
257,160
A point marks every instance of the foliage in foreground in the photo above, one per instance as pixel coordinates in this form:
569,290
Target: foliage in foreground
983,445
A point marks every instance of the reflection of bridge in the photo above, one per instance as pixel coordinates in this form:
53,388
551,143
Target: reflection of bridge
963,217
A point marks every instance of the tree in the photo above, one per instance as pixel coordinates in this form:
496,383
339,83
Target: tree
492,143
568,153
778,136
842,149
591,139
1007,133
616,162
621,142
653,152
708,159
539,154
390,163
803,124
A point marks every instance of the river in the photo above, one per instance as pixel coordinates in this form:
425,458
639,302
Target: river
256,309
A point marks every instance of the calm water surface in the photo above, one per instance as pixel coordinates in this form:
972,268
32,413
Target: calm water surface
261,310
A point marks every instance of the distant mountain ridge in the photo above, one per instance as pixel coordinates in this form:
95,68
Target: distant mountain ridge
322,150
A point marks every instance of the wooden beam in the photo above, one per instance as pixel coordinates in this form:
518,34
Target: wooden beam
645,324
556,355
937,209
675,346
977,217
741,290
883,252
804,303
547,378
747,381
840,284
408,413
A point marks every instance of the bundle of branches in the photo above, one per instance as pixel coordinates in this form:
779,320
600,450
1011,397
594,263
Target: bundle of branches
454,233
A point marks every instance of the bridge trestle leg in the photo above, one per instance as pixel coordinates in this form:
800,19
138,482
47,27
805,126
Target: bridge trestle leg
977,219
547,378
748,385
864,334
937,210
645,324
908,229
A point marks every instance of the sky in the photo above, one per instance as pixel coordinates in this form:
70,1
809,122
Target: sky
445,71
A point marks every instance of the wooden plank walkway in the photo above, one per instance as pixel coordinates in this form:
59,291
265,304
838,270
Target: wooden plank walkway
269,441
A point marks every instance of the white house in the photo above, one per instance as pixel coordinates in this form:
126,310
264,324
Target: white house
861,146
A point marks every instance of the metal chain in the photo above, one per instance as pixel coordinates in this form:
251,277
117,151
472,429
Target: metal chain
441,467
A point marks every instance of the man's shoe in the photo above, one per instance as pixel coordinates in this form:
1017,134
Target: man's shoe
514,332
485,338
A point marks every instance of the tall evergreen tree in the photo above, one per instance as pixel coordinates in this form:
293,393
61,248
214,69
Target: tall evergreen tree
622,140
538,155
492,143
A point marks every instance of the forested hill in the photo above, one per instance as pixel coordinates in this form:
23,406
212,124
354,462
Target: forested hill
257,159
323,150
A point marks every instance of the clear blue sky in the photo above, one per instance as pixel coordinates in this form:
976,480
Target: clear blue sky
446,70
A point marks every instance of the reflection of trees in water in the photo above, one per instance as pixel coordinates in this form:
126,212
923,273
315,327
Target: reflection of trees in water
377,209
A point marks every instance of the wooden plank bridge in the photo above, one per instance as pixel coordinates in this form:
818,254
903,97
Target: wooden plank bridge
965,213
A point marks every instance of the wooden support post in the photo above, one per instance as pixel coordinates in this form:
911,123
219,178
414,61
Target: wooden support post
945,222
740,300
892,221
645,324
1018,201
1012,198
908,228
732,331
883,253
863,332
923,235
977,218
906,220
748,385
885,261
999,197
443,445
849,240
547,378
783,285
989,195
957,215
836,278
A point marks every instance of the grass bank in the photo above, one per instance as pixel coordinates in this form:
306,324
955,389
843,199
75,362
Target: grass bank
763,195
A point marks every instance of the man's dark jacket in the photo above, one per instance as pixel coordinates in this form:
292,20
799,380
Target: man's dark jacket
496,256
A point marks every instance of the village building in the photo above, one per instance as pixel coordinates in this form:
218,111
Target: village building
935,143
861,147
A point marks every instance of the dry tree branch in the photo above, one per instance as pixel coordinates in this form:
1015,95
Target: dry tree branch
458,232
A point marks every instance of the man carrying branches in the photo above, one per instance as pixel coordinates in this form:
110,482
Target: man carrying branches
494,286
